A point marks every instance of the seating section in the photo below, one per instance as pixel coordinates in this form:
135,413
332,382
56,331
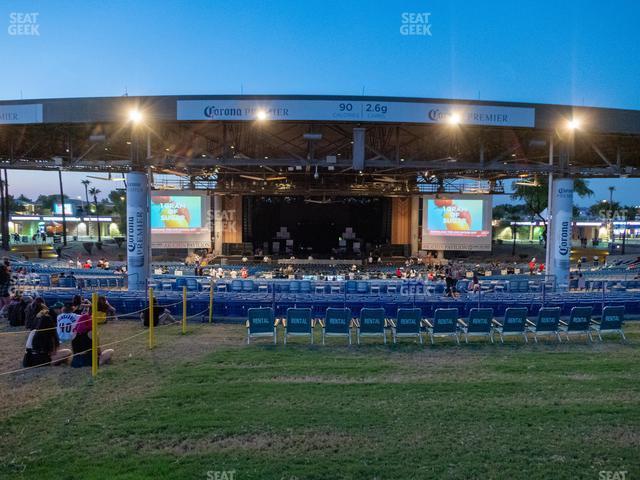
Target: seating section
373,322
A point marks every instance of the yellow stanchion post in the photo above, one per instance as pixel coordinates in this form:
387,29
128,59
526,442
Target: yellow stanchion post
151,317
211,285
94,334
184,310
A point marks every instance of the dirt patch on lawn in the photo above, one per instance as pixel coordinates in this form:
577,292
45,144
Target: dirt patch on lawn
295,442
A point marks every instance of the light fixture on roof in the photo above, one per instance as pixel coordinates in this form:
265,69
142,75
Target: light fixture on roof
261,115
454,118
135,115
574,123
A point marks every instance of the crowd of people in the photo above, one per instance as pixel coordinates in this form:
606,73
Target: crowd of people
101,264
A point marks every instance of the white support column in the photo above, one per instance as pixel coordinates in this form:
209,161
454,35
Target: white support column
548,245
217,225
415,208
138,231
559,230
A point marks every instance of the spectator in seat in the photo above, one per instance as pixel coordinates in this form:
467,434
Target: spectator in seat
475,283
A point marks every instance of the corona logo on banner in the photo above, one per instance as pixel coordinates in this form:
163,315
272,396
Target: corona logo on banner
137,206
561,222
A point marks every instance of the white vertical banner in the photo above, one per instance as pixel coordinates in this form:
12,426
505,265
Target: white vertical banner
138,231
560,230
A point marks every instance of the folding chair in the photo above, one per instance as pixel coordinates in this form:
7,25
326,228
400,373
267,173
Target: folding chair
407,324
546,324
514,323
579,322
371,324
611,322
478,324
336,323
445,324
260,323
298,323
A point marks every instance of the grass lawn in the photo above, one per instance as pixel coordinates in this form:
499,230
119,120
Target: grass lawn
204,405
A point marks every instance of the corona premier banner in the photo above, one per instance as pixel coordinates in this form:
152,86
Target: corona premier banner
137,230
355,111
561,229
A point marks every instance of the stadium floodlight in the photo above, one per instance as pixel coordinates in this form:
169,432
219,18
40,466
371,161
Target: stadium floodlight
573,124
454,118
261,115
135,115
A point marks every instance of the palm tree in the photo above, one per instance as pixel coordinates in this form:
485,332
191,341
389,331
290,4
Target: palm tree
93,191
86,183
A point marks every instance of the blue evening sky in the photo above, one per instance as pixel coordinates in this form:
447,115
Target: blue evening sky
571,52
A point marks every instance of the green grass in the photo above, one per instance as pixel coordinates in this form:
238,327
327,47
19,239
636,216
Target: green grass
301,412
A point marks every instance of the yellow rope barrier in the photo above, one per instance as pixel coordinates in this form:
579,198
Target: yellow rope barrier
184,309
94,334
211,302
151,320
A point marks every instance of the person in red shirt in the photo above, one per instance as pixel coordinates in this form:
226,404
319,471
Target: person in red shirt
532,266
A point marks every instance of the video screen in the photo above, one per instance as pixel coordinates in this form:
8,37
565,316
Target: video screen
176,212
180,220
456,223
456,217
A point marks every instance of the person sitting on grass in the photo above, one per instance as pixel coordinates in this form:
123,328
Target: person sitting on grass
161,315
105,307
82,344
15,310
66,322
43,344
78,304
32,310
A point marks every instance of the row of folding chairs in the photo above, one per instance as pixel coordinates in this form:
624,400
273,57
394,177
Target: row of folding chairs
409,322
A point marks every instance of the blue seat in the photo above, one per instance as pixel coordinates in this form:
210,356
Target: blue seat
611,322
546,323
260,323
298,323
337,323
479,324
579,322
514,323
371,324
444,324
407,323
236,285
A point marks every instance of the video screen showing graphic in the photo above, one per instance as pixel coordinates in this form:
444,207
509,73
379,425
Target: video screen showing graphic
457,223
456,217
171,212
179,220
